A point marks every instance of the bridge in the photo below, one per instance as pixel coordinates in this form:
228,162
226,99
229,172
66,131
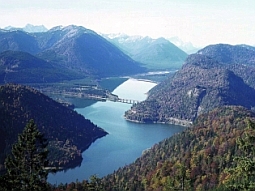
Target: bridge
129,101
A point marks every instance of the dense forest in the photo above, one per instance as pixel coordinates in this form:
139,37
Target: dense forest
200,158
217,75
68,132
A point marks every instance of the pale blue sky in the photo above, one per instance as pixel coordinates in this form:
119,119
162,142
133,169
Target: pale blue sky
201,22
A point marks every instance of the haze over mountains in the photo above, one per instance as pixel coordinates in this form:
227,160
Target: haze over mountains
62,44
187,47
213,88
29,28
153,53
74,48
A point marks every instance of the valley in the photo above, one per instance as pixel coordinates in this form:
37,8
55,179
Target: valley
125,141
85,91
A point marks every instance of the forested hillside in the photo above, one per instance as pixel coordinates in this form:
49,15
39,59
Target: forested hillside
22,67
204,83
228,54
195,158
215,154
68,132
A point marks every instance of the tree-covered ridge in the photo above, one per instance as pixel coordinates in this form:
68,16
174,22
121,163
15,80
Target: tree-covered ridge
196,158
206,81
239,58
229,54
68,132
22,67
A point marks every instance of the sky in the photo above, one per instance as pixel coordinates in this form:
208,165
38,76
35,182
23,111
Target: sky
201,22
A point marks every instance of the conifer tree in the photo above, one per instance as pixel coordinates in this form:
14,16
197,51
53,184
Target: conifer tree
26,164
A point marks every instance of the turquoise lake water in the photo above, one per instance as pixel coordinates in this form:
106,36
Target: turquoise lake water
126,140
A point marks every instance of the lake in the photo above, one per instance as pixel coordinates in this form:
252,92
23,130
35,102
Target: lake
126,140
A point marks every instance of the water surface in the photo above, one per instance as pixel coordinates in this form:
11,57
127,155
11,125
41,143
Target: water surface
126,140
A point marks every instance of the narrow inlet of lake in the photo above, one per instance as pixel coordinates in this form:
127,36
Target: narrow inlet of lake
126,140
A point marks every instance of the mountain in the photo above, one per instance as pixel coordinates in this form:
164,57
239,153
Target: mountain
85,51
155,54
239,58
18,41
187,47
74,48
203,152
202,84
28,28
68,132
22,67
229,54
34,29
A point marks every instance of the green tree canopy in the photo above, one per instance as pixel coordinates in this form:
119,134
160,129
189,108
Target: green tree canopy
26,165
242,176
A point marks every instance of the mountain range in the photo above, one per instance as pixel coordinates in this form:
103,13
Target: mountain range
213,92
217,75
155,54
29,28
73,48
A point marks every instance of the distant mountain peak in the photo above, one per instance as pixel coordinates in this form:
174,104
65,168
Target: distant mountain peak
72,30
32,28
187,47
155,54
114,35
57,28
28,28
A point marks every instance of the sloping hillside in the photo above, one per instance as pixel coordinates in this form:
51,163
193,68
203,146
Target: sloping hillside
194,159
68,132
22,67
198,87
18,41
202,84
229,54
74,48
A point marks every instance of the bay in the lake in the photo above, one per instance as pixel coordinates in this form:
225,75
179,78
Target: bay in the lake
126,140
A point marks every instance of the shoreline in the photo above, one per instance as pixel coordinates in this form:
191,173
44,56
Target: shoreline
175,121
76,162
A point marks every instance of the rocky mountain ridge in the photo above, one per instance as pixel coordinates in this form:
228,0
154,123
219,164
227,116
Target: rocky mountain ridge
29,28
